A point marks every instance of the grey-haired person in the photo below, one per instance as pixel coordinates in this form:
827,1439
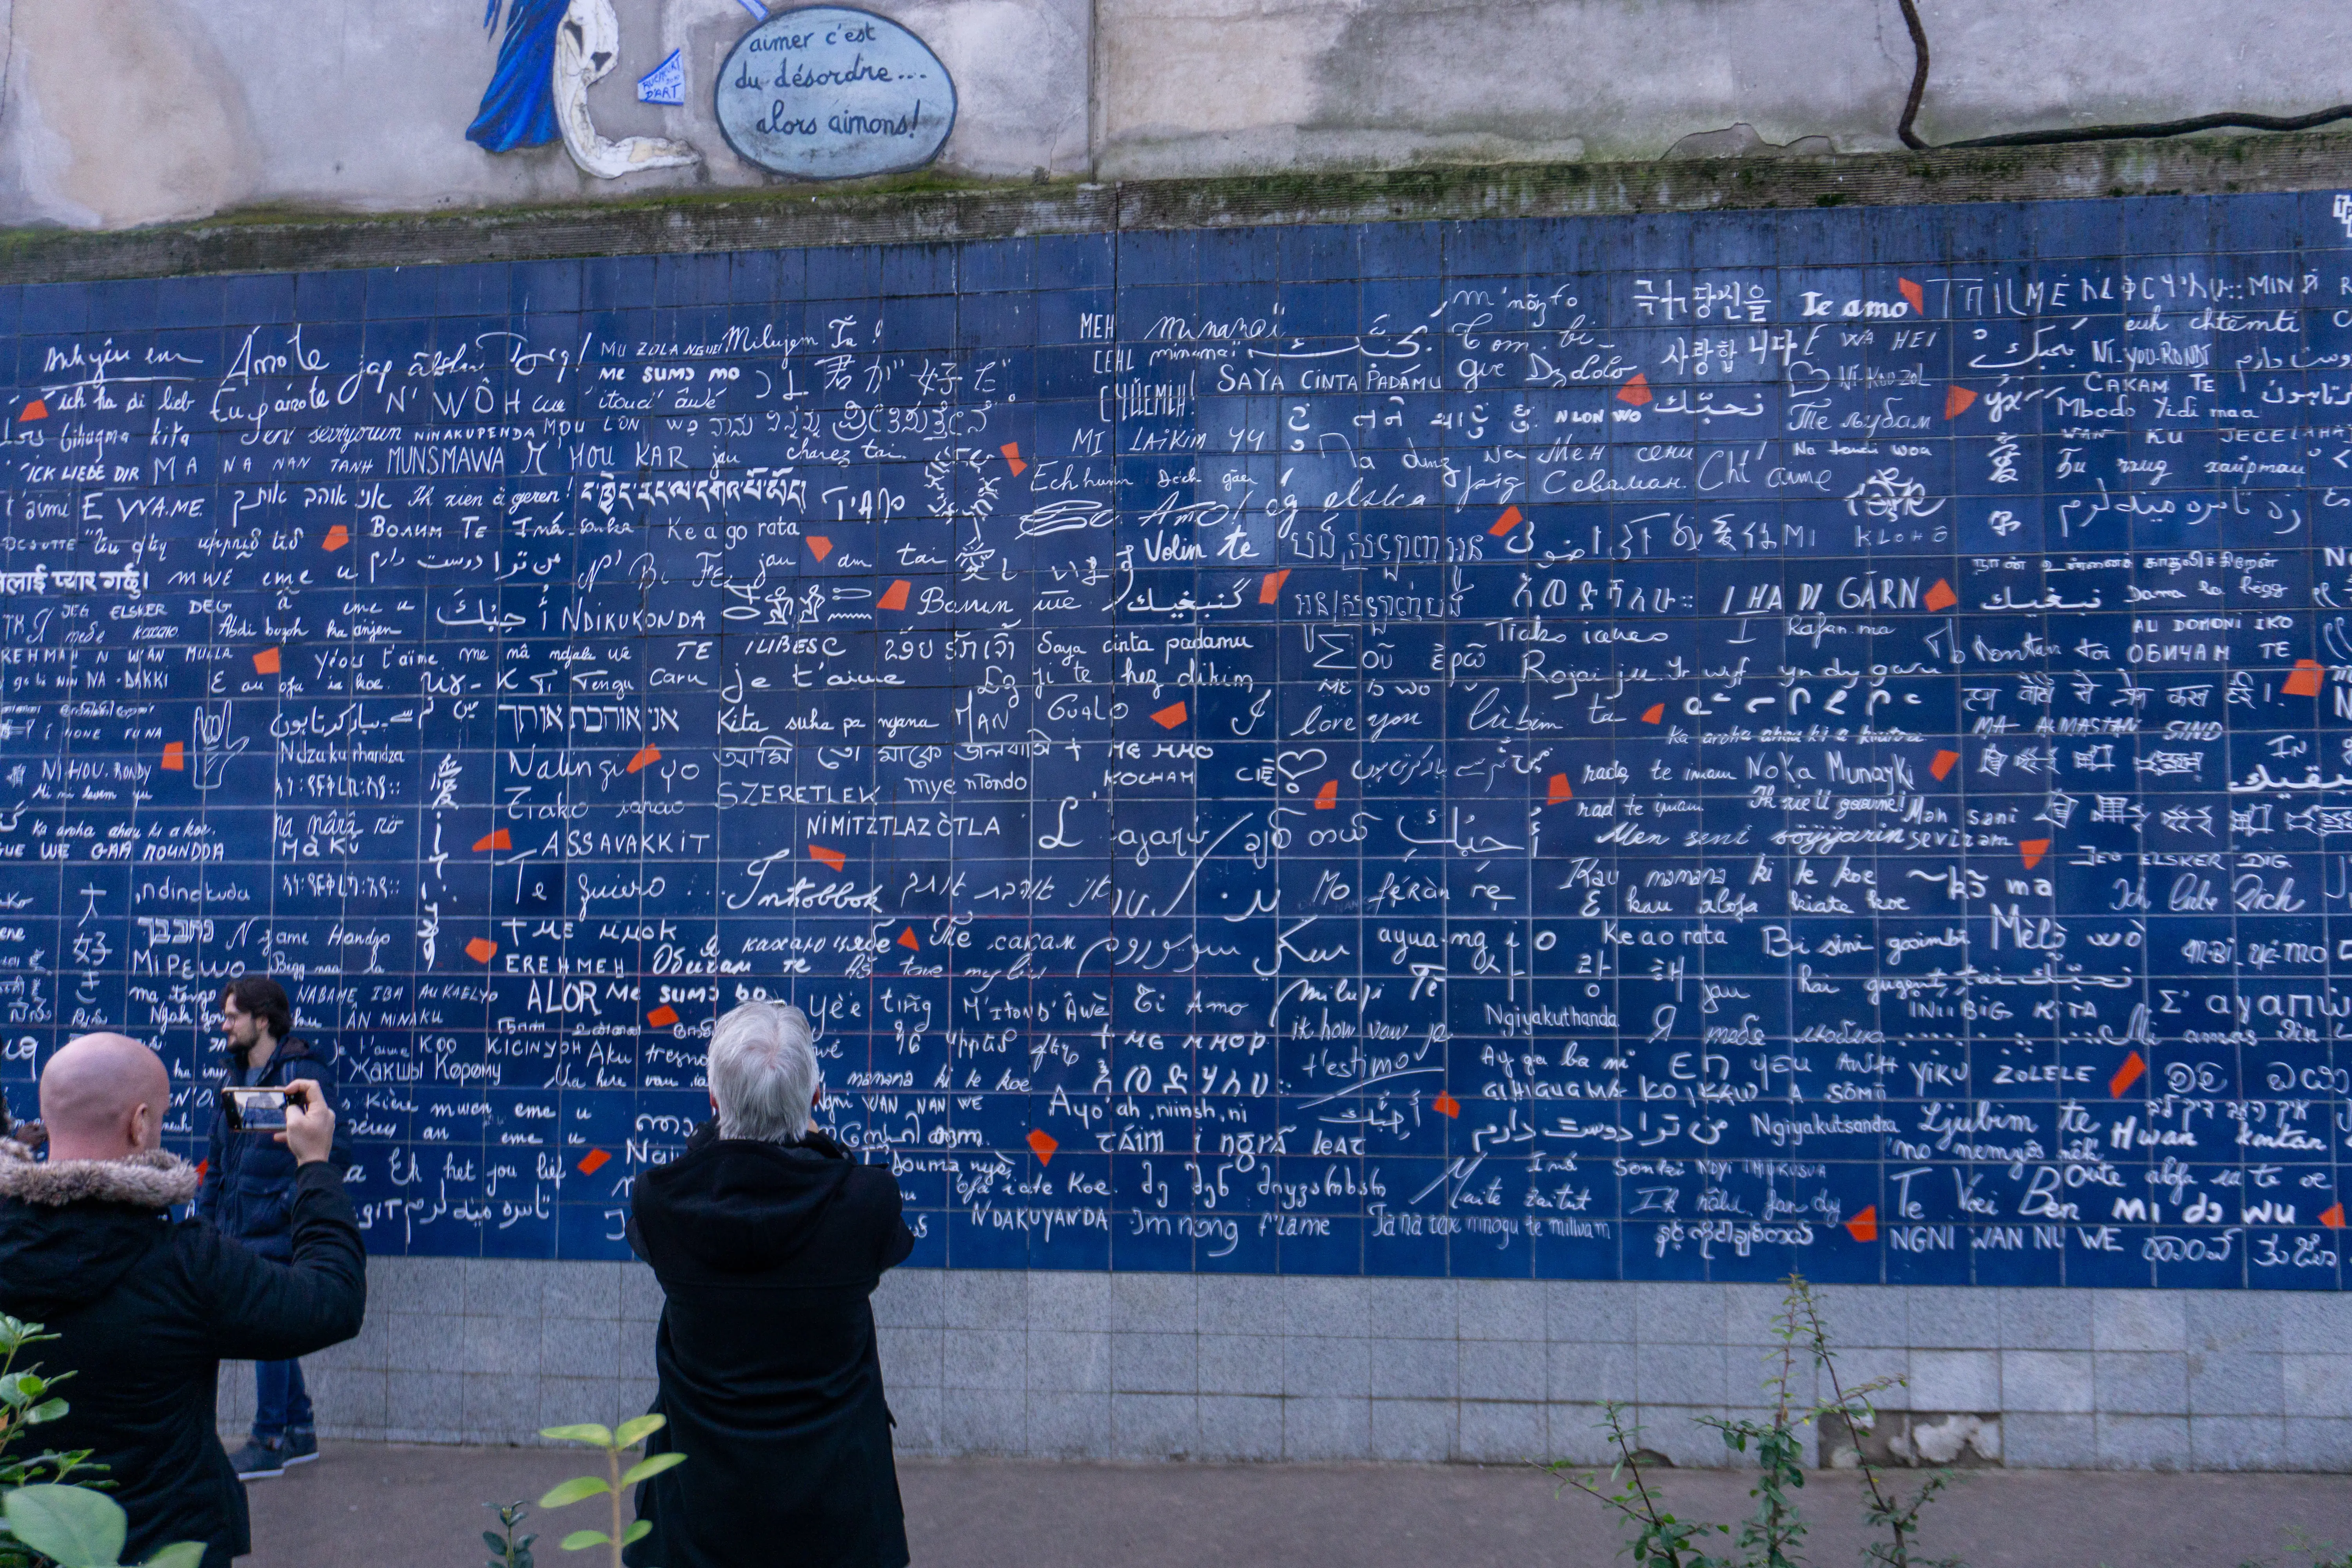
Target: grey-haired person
769,1239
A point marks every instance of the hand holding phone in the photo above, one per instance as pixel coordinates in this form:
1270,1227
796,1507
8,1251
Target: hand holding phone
309,1122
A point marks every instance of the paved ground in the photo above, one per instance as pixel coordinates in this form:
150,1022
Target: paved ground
394,1506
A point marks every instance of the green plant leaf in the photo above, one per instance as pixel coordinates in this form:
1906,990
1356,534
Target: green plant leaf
573,1491
635,1431
73,1524
496,1542
581,1539
637,1532
179,1554
588,1433
48,1410
645,1469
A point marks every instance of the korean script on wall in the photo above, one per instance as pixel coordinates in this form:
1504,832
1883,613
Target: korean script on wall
1674,747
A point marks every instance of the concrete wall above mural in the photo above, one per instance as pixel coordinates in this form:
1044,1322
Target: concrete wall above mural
118,113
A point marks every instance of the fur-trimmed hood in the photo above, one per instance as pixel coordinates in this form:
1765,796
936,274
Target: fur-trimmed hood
154,1179
71,1229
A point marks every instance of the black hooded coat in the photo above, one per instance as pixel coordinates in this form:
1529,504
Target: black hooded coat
146,1308
767,1255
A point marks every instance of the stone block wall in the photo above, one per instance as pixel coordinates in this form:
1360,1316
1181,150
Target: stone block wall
1220,1367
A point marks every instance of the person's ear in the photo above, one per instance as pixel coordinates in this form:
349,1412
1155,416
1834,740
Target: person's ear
146,1128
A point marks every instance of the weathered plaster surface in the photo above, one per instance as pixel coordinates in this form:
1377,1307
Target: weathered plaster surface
1231,85
130,114
120,112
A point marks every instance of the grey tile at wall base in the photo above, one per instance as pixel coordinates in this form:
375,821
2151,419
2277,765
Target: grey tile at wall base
1162,1366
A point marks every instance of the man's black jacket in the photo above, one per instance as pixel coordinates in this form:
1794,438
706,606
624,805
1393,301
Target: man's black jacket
767,1254
146,1310
249,1176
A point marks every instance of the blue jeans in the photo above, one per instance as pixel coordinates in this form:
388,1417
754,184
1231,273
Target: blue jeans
279,1401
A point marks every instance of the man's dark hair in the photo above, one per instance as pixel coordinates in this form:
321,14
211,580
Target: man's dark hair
265,999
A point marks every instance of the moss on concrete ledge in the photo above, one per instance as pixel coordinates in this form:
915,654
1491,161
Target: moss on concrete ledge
926,207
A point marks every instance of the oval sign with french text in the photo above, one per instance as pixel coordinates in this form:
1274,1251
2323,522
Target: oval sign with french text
830,92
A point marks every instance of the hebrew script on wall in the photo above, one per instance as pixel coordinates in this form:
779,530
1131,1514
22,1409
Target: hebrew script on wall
1662,748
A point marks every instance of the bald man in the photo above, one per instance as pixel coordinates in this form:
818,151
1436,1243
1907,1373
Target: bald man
146,1308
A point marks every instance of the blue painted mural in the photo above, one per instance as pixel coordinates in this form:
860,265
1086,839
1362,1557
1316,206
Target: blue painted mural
1666,747
549,54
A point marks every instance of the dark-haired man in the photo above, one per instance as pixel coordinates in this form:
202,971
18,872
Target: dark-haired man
248,1193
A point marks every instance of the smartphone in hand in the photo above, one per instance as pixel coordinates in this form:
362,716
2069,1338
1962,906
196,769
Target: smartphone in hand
255,1109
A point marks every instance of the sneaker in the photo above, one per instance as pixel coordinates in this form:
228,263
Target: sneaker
257,1460
300,1447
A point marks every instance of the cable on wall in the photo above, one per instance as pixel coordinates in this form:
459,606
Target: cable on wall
1905,129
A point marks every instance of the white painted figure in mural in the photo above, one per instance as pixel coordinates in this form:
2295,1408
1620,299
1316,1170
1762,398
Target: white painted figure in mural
552,52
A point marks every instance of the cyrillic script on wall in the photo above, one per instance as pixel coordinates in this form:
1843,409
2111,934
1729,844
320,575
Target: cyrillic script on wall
1664,748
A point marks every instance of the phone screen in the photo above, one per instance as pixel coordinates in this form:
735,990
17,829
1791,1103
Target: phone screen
255,1109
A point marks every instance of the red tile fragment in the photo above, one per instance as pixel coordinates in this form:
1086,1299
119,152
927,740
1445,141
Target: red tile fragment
2127,1075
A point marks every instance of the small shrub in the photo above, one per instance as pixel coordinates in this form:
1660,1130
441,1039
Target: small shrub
46,1516
582,1488
2324,1554
506,1551
75,1527
1773,1536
